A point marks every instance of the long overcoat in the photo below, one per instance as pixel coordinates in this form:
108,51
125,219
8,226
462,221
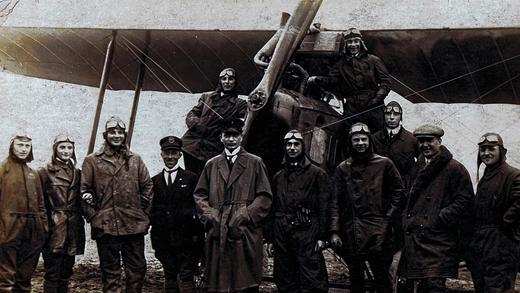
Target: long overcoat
402,149
440,195
368,195
202,140
21,197
234,204
63,204
122,191
494,244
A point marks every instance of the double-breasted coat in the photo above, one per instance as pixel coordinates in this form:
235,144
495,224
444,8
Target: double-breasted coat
122,193
23,224
494,242
440,195
234,204
21,197
362,82
368,195
202,140
63,204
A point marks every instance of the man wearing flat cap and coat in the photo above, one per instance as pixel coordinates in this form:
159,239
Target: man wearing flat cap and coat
440,194
359,79
202,139
233,198
176,232
494,242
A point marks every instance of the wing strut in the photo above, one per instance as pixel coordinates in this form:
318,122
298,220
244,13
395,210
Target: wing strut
138,87
102,88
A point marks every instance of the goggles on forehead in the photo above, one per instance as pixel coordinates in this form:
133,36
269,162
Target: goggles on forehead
115,123
227,73
359,128
293,135
492,138
64,138
394,109
22,137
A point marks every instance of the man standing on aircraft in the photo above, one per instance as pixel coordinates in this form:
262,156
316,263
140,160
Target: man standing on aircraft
23,220
397,143
61,180
202,140
176,232
441,192
300,224
117,188
360,80
368,197
233,197
494,246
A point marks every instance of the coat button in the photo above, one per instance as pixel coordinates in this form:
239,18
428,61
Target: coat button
409,216
408,233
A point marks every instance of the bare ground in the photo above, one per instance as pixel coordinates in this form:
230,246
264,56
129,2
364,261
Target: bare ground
87,279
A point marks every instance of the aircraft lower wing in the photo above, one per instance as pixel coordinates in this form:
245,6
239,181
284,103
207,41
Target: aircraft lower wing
437,65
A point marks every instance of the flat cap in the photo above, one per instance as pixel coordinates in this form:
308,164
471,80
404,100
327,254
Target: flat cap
170,143
428,130
233,125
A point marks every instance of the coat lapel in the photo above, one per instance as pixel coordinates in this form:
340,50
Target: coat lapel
62,175
179,179
238,168
223,169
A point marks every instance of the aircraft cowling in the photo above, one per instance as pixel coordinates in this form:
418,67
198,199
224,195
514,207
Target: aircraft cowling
291,110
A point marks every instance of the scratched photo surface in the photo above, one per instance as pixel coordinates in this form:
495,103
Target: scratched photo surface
454,63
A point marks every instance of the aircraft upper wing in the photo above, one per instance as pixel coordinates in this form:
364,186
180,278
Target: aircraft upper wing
441,65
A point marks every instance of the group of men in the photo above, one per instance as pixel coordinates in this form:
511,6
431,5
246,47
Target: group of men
396,191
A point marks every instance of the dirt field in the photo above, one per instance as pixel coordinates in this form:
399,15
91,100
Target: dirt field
87,279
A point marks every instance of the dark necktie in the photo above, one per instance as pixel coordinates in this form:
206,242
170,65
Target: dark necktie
230,161
170,182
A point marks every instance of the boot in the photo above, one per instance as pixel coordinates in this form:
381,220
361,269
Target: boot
170,286
64,286
50,287
187,286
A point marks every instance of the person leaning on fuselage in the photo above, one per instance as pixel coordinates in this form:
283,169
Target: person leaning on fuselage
60,181
117,190
440,195
23,220
299,225
368,197
494,244
202,139
233,198
176,232
360,80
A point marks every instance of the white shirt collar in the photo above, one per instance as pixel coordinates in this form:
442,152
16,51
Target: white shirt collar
394,131
234,153
172,169
173,173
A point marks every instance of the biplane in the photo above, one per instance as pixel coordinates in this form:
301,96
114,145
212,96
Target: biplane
474,65
427,65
